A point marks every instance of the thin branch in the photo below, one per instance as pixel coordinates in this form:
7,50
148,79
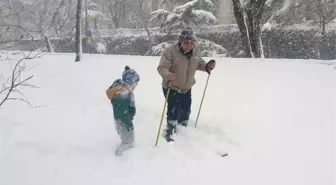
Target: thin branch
15,82
8,15
8,41
24,30
22,83
20,27
19,92
21,99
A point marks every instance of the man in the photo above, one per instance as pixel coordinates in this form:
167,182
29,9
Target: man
178,65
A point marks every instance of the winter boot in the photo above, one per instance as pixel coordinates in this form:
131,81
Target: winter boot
171,127
184,123
180,126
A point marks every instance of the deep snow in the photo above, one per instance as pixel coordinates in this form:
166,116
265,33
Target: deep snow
275,118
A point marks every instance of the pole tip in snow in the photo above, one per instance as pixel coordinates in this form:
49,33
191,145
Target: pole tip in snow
224,155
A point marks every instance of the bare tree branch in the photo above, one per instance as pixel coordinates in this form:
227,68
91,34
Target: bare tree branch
21,100
8,15
11,85
27,31
21,27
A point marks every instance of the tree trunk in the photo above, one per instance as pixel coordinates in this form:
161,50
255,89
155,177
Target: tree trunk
144,17
86,50
48,43
78,31
239,15
322,11
249,27
308,10
114,10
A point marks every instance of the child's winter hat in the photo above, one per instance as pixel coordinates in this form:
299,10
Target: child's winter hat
187,34
130,76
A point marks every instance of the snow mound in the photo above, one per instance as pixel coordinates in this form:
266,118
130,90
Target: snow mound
275,118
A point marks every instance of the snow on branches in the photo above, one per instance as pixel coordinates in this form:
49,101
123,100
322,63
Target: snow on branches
189,14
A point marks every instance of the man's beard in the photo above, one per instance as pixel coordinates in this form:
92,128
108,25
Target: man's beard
187,50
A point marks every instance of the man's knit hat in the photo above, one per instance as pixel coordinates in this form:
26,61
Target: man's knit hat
187,34
130,76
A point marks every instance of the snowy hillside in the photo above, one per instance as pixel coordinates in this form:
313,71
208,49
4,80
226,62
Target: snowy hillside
275,118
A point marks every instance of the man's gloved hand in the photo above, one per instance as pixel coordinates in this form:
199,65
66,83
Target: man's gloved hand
171,76
210,66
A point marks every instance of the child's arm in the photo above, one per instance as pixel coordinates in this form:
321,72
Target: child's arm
132,104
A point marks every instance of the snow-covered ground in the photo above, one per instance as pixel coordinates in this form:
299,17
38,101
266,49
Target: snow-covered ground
275,118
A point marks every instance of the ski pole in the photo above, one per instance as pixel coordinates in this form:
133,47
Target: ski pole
199,110
164,108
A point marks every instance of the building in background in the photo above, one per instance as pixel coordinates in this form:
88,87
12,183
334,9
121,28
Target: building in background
226,14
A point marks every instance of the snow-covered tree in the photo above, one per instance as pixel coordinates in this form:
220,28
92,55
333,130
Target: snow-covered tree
123,13
12,28
49,17
325,12
190,13
175,15
35,20
249,15
205,47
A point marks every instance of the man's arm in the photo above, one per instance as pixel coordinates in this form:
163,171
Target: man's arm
202,65
205,66
165,64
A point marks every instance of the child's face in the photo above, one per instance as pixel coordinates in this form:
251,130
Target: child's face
134,85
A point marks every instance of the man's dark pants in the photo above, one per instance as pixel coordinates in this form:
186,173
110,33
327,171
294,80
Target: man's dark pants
178,110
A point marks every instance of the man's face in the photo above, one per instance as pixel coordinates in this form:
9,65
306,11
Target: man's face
187,45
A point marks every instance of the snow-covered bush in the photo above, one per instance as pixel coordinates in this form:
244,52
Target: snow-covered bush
328,48
101,48
300,43
227,36
278,42
127,44
211,49
158,49
207,48
290,43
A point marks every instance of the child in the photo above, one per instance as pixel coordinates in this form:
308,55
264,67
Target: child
122,98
